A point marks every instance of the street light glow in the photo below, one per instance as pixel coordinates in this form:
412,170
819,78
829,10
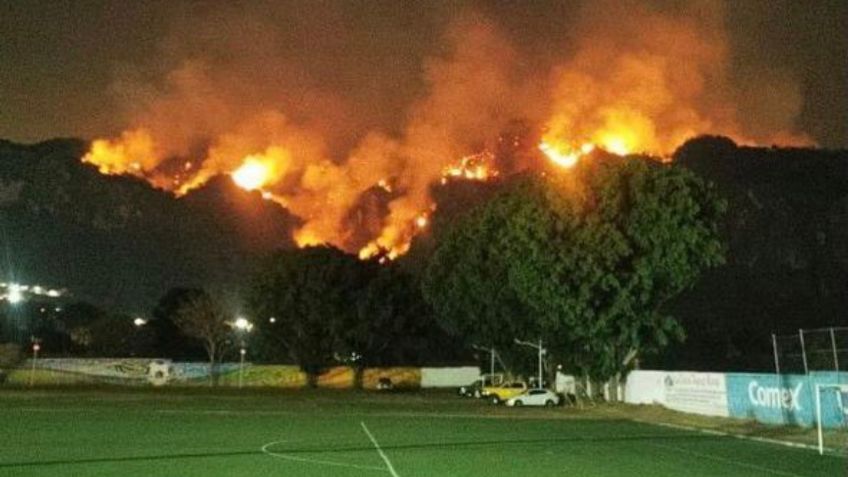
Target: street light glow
14,294
139,322
242,324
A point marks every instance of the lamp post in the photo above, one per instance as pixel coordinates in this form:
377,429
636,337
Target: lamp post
242,352
492,355
542,352
36,347
243,326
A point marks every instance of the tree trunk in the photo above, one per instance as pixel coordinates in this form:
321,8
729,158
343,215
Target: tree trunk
358,372
213,369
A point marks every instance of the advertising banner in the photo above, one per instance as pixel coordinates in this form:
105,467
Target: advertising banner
784,399
698,393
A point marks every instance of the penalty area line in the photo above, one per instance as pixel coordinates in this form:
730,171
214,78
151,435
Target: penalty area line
379,450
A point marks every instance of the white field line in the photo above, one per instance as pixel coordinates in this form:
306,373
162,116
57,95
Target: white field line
725,460
379,450
712,432
236,412
314,461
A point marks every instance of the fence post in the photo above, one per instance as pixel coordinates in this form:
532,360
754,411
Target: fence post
835,352
803,351
776,359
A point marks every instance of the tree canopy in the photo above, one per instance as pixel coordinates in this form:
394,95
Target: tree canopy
312,295
585,258
206,319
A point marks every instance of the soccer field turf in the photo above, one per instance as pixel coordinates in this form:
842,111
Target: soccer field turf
171,433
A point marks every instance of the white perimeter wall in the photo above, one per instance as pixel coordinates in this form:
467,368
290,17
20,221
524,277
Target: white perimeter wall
449,377
698,393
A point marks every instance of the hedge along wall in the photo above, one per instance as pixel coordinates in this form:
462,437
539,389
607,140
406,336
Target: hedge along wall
144,372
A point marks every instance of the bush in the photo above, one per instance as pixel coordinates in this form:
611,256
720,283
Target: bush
11,355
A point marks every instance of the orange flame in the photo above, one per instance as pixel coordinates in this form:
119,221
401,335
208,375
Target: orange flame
253,174
644,85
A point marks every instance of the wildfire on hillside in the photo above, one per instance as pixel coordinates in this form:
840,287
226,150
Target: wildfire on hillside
644,85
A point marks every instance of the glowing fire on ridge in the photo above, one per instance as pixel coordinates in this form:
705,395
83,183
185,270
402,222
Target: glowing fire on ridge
252,174
565,155
472,167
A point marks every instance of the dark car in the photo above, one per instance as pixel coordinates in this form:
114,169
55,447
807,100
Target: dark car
472,390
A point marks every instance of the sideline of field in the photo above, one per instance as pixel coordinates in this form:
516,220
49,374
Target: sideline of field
315,433
424,404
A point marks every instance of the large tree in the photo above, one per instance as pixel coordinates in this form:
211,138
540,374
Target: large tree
584,257
393,321
311,294
206,319
170,342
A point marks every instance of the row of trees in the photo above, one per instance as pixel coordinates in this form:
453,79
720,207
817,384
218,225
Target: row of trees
316,307
586,259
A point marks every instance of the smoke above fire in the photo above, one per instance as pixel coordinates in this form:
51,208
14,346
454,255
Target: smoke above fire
633,78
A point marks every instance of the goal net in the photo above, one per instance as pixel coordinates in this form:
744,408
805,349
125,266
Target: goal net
831,412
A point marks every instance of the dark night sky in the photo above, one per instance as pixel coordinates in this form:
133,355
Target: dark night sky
59,60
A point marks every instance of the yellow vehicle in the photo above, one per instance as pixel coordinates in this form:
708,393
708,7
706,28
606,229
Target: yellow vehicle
500,393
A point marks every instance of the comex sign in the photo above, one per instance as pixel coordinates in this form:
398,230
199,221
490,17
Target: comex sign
775,397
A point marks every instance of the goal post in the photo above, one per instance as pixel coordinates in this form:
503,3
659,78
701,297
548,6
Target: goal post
831,405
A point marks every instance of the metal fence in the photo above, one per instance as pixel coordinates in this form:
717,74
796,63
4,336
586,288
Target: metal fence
819,349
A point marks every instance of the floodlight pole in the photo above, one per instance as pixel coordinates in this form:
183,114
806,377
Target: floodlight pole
776,359
36,346
242,352
541,350
492,354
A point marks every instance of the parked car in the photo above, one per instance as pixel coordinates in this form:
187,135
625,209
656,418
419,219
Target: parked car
385,384
498,394
474,389
534,397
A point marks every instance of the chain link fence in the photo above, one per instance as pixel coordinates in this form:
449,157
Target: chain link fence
819,349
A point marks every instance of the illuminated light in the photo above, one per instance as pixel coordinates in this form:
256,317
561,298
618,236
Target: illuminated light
188,165
421,221
251,175
243,324
139,322
587,148
272,320
267,195
54,293
14,294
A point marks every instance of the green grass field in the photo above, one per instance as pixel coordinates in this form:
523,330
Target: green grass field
323,433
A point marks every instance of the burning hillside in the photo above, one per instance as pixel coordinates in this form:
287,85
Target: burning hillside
634,80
